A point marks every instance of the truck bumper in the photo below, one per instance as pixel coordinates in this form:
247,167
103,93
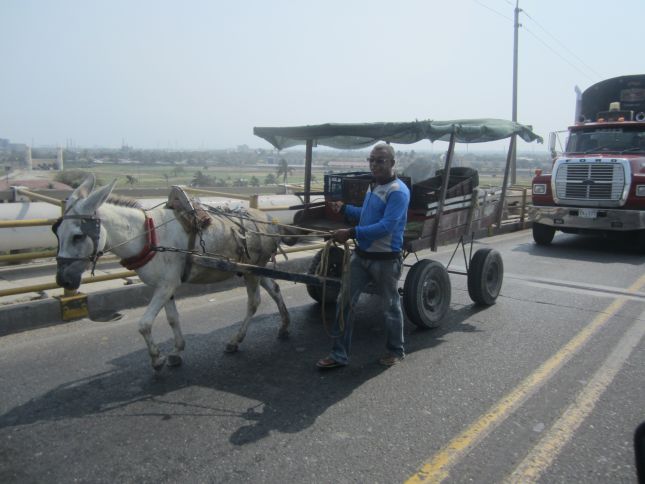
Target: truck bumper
575,218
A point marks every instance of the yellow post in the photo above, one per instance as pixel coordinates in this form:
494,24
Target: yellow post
254,201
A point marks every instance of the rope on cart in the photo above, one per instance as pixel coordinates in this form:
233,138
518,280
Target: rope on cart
344,284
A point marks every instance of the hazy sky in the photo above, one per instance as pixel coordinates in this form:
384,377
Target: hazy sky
201,74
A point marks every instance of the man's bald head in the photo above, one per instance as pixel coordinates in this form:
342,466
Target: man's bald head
383,150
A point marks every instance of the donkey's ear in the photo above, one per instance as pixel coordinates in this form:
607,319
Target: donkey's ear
85,188
97,197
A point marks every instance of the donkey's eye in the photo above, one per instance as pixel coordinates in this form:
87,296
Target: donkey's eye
78,238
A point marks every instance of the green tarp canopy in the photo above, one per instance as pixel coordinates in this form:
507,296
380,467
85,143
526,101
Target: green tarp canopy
361,135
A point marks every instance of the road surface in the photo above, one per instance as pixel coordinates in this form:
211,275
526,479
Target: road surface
544,386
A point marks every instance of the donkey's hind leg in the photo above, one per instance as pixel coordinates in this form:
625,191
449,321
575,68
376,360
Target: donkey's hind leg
159,299
274,291
174,358
252,303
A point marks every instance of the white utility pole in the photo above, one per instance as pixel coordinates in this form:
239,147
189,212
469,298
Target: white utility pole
514,116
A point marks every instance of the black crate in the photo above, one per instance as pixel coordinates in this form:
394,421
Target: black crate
334,183
351,187
428,191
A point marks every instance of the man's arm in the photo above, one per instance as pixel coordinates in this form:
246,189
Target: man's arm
396,208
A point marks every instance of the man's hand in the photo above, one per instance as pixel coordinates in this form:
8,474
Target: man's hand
342,235
336,206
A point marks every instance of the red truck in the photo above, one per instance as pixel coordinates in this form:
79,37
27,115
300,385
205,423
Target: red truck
597,185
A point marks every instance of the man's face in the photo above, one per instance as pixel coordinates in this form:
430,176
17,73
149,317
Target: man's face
381,164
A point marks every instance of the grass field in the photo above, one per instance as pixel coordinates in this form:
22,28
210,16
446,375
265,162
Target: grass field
157,176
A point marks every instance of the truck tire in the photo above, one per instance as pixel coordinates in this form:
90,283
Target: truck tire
426,293
334,269
485,276
543,234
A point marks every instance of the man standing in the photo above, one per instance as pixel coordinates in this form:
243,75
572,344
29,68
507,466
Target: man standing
377,258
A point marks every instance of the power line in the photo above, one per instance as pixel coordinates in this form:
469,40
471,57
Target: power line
559,55
591,69
493,10
585,74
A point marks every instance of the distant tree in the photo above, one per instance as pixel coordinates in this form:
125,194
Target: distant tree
240,182
167,178
254,182
130,180
284,170
270,179
73,178
201,180
178,170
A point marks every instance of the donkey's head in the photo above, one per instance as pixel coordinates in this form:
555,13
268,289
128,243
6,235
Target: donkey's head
80,235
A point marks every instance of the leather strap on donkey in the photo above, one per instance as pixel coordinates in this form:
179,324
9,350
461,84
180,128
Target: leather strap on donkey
193,218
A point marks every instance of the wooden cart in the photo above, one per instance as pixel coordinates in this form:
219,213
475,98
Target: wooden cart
440,214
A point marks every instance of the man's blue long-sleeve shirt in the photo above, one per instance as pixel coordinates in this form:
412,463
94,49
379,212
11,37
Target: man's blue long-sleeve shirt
382,218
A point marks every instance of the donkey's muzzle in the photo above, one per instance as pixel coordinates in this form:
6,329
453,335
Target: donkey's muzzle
69,272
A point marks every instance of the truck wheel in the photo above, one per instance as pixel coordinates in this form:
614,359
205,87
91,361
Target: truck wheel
485,276
426,294
543,234
334,269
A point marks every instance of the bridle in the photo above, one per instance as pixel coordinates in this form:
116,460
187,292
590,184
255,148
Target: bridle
90,227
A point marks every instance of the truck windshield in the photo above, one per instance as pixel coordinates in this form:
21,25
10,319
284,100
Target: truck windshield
607,140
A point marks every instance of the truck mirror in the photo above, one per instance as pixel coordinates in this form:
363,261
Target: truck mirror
552,141
552,137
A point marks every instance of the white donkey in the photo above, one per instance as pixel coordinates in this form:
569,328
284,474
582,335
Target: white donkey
94,223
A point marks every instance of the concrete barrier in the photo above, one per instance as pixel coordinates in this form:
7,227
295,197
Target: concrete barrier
104,304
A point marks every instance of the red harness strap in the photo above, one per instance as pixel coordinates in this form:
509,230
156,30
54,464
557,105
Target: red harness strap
147,253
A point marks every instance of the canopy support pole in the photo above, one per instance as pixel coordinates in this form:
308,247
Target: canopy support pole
308,163
444,190
509,159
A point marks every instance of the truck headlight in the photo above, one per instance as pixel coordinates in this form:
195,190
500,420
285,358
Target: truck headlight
540,189
640,190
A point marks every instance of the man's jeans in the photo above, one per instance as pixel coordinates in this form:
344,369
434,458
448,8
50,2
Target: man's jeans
385,276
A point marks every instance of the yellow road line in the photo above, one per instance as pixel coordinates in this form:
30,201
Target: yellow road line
545,452
437,468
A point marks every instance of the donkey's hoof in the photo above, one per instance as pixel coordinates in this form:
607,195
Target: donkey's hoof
283,334
174,360
231,348
159,363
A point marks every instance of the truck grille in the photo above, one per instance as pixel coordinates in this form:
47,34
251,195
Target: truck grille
590,181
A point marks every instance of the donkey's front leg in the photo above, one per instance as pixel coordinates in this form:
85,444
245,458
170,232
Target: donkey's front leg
174,358
253,293
159,299
274,291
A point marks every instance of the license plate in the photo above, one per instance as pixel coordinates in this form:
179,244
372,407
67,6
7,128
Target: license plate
588,213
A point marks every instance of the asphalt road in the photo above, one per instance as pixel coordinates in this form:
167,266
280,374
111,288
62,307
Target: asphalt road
544,386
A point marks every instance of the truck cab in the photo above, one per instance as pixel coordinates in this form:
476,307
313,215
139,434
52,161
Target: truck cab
597,184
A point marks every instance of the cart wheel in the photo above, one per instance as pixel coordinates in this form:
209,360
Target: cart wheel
426,293
485,276
334,269
543,234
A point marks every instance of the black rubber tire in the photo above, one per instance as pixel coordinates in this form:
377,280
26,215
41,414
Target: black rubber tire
543,234
426,294
485,276
334,269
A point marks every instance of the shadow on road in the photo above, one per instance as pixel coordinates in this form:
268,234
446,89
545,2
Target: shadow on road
587,248
280,387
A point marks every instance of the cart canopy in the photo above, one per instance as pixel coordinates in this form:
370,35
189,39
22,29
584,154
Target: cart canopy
361,135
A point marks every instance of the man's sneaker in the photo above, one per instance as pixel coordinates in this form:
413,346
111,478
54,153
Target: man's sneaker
326,363
390,360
